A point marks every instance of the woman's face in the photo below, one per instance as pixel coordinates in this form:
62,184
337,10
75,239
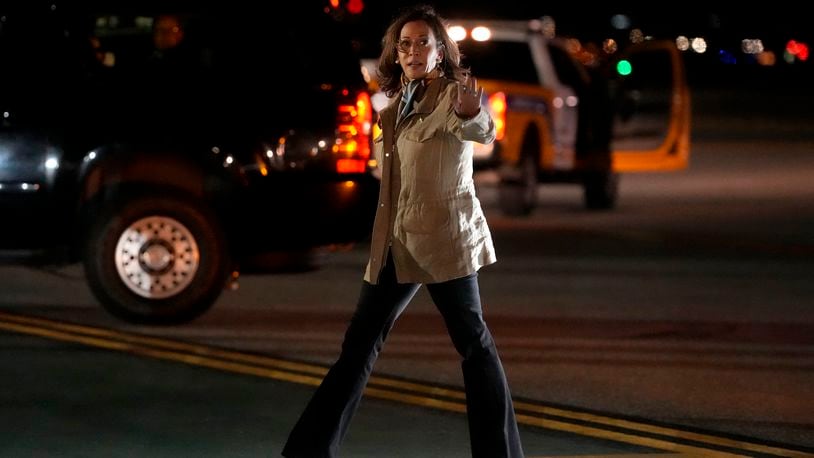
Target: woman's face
418,50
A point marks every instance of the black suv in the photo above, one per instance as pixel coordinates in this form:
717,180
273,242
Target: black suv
165,173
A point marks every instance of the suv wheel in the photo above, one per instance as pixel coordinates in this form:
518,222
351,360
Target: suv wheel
601,190
156,260
518,188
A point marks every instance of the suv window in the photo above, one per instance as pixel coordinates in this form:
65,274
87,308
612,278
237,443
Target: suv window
500,60
566,68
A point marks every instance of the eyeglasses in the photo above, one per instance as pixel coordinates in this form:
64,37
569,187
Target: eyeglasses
406,45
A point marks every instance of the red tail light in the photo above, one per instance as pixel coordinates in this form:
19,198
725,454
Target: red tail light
497,105
352,147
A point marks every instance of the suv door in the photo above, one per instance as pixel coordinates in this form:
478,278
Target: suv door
651,129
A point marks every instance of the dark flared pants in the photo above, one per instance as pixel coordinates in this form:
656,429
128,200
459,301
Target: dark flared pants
492,426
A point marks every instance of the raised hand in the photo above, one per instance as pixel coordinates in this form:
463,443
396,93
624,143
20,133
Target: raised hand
467,104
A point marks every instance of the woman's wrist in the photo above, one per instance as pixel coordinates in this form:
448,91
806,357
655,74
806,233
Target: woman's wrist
467,117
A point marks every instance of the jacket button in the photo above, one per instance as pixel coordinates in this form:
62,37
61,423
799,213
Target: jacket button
381,204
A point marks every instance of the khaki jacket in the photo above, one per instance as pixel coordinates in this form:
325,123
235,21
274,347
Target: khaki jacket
428,215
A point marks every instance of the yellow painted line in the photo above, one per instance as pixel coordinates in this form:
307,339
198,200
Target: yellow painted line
671,432
556,425
201,355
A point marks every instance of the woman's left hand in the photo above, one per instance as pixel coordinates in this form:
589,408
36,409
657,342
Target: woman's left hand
467,104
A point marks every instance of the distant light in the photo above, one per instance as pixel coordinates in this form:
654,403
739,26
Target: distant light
571,101
610,46
751,46
355,6
699,45
803,54
682,43
620,21
548,27
481,33
797,49
636,36
557,102
456,32
623,67
51,163
6,114
573,45
322,144
726,57
269,153
229,160
766,58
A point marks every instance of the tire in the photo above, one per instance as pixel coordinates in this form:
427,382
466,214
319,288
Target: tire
601,190
156,260
517,192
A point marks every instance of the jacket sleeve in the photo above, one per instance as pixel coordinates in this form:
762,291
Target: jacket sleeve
479,128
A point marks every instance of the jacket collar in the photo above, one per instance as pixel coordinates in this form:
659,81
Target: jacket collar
426,105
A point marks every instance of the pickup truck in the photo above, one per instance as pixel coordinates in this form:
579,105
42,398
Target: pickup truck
567,113
167,179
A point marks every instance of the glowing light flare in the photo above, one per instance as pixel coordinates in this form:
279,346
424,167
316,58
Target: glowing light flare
363,114
353,129
766,58
351,166
624,68
620,21
481,33
699,45
797,49
751,46
548,27
610,46
51,163
726,57
497,105
456,32
803,53
355,6
682,43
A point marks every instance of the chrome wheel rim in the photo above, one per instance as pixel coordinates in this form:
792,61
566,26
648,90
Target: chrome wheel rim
157,257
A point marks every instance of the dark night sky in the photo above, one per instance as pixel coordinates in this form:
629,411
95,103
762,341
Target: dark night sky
723,28
592,22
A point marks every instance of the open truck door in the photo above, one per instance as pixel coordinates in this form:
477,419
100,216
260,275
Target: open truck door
651,128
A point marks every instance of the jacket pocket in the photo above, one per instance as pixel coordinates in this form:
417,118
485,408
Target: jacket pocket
427,234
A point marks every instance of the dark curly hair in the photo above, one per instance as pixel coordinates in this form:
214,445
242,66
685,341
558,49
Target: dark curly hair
390,71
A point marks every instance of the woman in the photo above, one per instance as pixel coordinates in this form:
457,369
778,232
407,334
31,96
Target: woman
429,229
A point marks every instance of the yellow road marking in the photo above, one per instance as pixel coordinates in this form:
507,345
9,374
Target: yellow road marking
309,374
